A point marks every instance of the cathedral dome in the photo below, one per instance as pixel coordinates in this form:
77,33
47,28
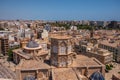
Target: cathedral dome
32,44
97,76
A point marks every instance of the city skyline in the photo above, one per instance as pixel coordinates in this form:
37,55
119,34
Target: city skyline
60,10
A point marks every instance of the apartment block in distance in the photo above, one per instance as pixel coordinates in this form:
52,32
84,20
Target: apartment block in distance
4,45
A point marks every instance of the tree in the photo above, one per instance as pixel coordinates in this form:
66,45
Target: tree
10,53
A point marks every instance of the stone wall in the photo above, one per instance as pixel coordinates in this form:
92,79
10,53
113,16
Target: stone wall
37,74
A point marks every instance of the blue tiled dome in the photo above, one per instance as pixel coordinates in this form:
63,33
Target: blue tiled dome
32,44
97,76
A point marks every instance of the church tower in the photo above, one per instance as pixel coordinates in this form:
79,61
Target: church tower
61,51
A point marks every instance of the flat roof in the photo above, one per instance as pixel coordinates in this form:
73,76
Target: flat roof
42,52
61,36
106,42
21,53
64,74
101,52
83,61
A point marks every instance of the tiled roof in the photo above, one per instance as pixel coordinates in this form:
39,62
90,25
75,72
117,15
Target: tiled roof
6,73
26,65
97,76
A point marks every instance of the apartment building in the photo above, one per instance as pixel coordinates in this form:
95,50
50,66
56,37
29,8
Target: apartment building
104,56
112,46
4,45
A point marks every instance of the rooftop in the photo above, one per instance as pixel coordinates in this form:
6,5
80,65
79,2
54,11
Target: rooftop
117,75
64,74
32,44
83,61
6,73
106,42
97,76
101,52
29,56
21,53
36,64
60,36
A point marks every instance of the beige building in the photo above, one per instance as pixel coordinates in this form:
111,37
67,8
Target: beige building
63,64
112,47
66,64
30,61
61,51
104,56
32,70
30,49
44,34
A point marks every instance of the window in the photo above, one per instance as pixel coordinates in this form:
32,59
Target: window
44,46
69,60
54,62
62,50
55,49
62,62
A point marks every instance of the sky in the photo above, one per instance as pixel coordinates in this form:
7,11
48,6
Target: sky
60,9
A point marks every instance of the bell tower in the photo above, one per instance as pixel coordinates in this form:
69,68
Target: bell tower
61,51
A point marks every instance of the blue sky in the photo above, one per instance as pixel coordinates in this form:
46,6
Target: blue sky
60,9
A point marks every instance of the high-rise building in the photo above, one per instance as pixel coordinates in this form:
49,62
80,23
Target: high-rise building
113,24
